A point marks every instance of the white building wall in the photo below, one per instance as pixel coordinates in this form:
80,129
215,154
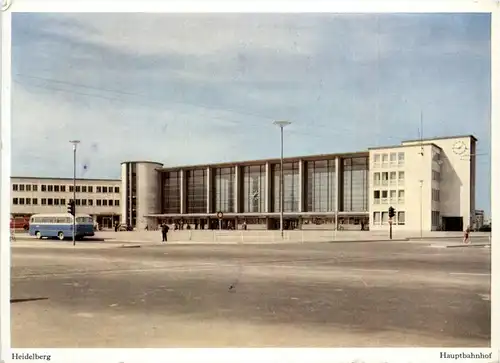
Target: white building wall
148,192
416,186
457,187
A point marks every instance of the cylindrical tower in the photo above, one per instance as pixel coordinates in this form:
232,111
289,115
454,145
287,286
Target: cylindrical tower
141,193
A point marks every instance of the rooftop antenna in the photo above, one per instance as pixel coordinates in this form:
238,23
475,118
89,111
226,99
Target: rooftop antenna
421,132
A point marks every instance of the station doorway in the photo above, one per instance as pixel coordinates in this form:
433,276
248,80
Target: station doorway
453,224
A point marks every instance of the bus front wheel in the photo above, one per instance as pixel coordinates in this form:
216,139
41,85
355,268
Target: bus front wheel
38,235
60,235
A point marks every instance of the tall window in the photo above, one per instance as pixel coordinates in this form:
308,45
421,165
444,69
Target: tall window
254,189
224,189
196,191
290,188
355,185
171,192
321,176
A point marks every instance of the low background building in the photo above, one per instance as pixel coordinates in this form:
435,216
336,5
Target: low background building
98,197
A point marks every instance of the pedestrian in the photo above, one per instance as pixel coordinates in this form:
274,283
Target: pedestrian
164,231
467,235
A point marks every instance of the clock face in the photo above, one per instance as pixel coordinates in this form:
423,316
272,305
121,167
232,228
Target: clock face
459,148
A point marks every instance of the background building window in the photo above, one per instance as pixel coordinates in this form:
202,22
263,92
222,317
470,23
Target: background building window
35,201
62,201
104,189
401,159
223,187
320,186
291,187
117,203
171,192
376,179
63,188
21,187
44,188
254,189
35,188
84,189
376,197
15,201
355,185
401,177
385,217
385,160
90,189
50,201
376,217
28,201
98,189
50,188
385,178
392,178
401,196
384,196
401,218
98,202
393,196
376,160
44,201
393,159
117,189
90,202
15,188
28,187
196,191
56,188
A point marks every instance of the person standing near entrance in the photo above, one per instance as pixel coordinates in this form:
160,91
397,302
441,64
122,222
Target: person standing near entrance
164,232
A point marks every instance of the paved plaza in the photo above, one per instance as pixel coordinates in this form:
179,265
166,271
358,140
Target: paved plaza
314,294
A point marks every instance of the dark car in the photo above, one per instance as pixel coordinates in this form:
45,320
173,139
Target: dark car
485,228
125,227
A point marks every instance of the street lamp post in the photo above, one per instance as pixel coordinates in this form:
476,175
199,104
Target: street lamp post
281,125
75,143
421,209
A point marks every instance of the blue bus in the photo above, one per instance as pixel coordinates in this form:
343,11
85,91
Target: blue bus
60,225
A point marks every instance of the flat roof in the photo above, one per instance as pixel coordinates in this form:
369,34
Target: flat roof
58,178
140,161
274,160
442,138
401,146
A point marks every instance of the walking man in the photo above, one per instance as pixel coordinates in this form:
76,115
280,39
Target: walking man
164,231
467,235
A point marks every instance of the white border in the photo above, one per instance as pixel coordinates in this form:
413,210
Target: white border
5,186
261,6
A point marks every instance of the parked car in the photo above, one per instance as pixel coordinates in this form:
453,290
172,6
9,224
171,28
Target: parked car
484,228
125,227
20,223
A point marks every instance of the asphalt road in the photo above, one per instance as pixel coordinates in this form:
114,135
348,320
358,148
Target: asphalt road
318,295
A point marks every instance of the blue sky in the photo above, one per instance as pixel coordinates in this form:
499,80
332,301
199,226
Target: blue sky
200,88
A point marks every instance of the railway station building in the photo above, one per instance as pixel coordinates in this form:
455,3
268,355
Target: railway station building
430,183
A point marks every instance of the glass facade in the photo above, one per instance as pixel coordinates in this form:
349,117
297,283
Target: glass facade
320,186
196,188
223,187
254,189
355,185
171,192
291,187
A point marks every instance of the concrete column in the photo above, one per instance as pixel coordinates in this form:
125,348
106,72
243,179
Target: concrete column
210,198
338,180
237,192
301,186
183,191
268,185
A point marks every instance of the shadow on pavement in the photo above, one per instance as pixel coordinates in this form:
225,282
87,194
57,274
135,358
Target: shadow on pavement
14,301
